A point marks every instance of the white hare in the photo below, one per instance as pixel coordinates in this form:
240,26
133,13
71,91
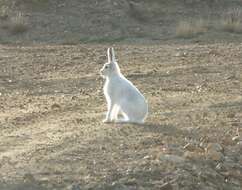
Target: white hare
122,97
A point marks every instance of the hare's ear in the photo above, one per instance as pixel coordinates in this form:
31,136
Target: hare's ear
109,55
113,55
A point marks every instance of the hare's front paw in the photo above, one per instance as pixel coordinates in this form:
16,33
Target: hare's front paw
107,121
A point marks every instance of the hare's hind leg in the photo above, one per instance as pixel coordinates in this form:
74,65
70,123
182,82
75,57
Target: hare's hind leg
122,117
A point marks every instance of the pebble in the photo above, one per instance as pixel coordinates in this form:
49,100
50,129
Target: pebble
228,141
29,178
237,138
193,155
214,146
214,152
55,107
166,186
219,166
214,155
181,54
193,148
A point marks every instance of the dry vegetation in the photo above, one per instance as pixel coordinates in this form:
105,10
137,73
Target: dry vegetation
188,29
232,21
73,22
4,12
13,22
17,24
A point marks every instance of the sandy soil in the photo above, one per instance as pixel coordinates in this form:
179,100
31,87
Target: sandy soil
52,106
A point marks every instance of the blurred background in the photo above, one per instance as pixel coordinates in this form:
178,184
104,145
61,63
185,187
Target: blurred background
132,21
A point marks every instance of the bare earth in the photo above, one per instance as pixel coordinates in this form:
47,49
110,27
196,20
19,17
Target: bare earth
52,106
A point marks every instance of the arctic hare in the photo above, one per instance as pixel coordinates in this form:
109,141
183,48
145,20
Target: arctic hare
122,97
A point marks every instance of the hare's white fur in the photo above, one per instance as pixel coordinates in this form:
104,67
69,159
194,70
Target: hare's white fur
122,97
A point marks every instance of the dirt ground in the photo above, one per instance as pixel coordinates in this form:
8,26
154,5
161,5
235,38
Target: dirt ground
52,106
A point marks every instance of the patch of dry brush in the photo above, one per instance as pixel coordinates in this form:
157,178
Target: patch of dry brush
232,21
188,29
16,24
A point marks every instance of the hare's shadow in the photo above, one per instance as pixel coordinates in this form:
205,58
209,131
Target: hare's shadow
169,130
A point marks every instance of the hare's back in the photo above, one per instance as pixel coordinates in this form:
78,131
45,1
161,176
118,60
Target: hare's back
131,92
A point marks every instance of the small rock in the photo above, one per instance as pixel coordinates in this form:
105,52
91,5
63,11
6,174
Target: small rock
237,138
193,148
235,124
228,141
214,155
55,107
29,178
219,167
166,186
74,98
146,157
214,152
178,54
193,155
231,115
181,54
190,147
214,147
224,167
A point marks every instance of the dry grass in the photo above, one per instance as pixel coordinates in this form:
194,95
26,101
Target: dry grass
4,12
232,21
188,29
17,24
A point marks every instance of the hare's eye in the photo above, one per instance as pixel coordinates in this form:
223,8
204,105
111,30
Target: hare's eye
106,67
